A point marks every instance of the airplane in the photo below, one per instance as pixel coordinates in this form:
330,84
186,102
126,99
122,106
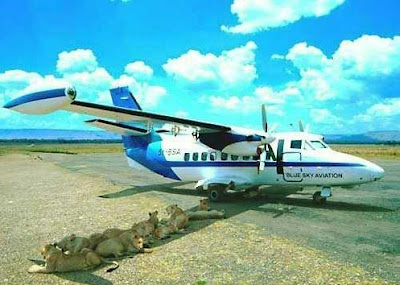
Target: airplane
220,158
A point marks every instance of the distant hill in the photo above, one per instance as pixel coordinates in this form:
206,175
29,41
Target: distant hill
367,138
44,134
74,135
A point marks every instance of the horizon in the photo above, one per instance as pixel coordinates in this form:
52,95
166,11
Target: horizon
334,65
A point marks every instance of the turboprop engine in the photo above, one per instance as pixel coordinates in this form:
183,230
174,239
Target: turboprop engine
43,102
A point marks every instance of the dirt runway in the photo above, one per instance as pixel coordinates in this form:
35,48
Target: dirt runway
281,239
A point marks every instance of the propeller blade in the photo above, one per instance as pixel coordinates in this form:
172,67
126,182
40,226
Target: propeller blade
271,152
301,126
263,156
264,117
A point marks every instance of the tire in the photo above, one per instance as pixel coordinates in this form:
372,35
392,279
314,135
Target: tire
215,195
318,199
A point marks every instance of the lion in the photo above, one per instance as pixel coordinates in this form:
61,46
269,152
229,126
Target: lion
73,244
113,232
126,242
203,205
164,231
145,228
178,217
204,215
58,261
95,239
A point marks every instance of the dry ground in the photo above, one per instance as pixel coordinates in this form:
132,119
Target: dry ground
285,239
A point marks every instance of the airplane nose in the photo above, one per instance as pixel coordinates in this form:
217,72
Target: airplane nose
377,172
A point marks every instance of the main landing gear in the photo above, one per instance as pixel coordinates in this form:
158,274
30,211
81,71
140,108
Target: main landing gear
319,197
216,194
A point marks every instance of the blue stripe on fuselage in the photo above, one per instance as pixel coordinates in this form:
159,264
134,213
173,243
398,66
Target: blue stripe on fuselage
255,163
35,97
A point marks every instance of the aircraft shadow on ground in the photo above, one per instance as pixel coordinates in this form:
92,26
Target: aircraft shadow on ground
253,203
233,205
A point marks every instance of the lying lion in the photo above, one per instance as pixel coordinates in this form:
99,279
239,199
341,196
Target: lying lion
72,244
57,261
205,215
203,205
178,218
164,231
127,242
145,228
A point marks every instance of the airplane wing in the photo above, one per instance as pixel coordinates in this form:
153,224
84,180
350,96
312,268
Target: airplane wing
127,115
64,99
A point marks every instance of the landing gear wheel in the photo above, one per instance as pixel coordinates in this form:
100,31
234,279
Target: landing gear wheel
318,199
215,195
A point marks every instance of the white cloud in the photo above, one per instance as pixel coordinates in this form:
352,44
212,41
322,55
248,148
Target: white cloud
323,116
256,15
250,103
232,69
182,114
139,70
391,107
79,60
91,81
368,56
151,95
304,56
350,73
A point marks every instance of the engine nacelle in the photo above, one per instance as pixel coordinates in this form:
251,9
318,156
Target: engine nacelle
43,102
242,148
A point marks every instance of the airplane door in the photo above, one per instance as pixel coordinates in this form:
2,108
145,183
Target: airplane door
287,163
292,172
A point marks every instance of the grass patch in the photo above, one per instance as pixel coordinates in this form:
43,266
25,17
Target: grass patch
61,148
370,151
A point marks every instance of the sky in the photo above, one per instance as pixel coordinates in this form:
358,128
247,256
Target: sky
334,64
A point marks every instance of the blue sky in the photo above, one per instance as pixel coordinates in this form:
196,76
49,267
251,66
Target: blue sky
334,64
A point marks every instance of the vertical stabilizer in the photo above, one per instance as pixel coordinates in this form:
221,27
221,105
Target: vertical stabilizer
122,97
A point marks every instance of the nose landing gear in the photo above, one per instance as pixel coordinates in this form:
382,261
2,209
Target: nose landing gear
319,197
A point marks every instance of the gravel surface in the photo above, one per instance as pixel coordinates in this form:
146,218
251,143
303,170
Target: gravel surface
42,202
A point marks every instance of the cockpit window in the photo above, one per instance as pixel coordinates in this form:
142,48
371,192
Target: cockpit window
318,144
295,144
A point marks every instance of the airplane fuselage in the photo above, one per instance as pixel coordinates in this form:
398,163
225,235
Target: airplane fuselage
300,160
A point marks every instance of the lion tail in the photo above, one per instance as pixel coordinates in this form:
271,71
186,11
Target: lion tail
111,269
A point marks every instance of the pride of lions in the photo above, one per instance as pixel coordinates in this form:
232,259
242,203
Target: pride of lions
74,253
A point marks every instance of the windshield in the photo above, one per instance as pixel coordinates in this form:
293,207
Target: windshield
317,144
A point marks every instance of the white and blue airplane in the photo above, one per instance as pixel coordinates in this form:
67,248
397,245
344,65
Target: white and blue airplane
221,158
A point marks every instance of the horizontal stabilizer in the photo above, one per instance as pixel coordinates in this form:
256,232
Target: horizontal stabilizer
117,128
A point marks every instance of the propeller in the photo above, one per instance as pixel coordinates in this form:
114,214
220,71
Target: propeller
265,142
264,117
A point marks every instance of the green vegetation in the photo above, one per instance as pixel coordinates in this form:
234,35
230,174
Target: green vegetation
370,150
70,148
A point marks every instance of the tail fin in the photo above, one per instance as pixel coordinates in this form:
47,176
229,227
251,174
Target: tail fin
122,97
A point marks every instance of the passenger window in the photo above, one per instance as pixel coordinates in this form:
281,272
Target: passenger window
195,156
234,157
224,156
256,157
213,156
187,156
246,157
204,156
295,144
